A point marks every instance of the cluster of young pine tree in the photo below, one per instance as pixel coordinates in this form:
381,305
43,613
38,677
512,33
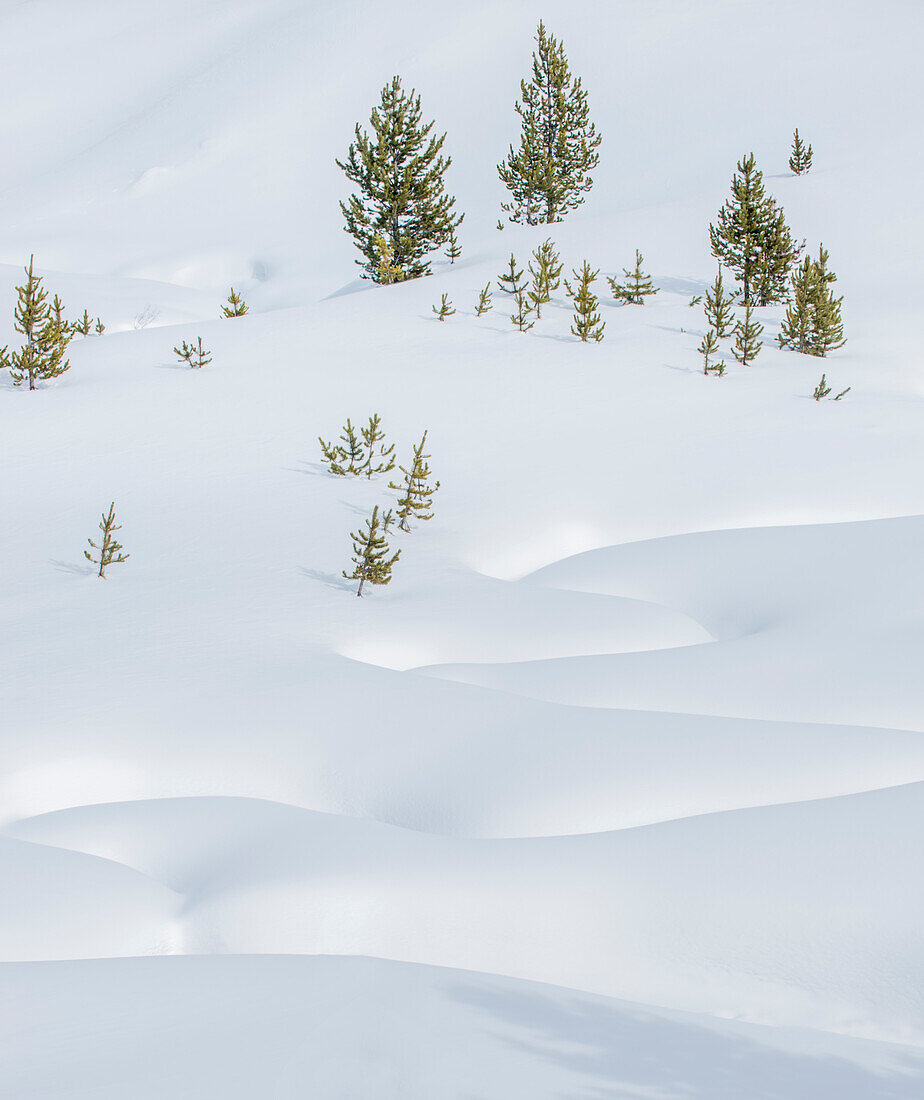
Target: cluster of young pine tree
365,454
46,333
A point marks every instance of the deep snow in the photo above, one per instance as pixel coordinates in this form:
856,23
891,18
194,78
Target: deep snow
640,714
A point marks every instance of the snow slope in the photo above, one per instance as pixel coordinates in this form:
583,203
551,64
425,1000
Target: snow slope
640,716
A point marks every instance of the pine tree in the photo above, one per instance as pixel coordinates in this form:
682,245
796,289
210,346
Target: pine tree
800,160
83,325
453,250
386,270
370,555
821,390
416,500
484,301
381,461
110,551
41,357
521,318
64,327
549,174
827,326
751,237
707,348
193,354
398,173
718,307
638,287
747,343
797,329
346,457
445,308
587,324
511,281
236,306
546,275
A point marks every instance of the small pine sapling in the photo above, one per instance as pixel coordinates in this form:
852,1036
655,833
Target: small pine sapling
383,461
747,343
83,325
348,458
416,500
823,389
388,518
453,249
99,328
523,311
110,551
484,301
546,275
587,324
512,280
386,270
41,356
500,225
638,287
445,308
800,159
718,308
371,561
193,354
236,306
707,348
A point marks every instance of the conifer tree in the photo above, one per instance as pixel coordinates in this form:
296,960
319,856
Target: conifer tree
546,275
751,237
797,329
707,348
524,309
236,306
511,281
638,286
383,460
193,354
388,518
399,175
346,457
823,389
747,343
484,301
718,307
445,308
587,324
416,500
549,174
371,561
453,249
827,326
800,160
386,270
110,551
41,357
83,325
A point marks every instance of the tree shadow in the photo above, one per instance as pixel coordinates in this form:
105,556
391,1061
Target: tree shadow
75,568
626,1051
672,285
332,580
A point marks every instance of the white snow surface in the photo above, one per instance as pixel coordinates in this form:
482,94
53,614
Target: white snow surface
617,790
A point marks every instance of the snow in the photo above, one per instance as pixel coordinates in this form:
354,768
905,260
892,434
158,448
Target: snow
617,789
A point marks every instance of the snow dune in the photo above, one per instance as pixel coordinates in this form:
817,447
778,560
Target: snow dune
640,716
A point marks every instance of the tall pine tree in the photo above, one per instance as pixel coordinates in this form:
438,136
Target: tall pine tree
401,197
750,236
549,174
587,324
41,357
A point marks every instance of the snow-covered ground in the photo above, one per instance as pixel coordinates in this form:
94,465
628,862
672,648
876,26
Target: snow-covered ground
641,715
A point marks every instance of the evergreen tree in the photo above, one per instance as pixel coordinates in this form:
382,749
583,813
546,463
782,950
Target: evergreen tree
484,301
401,197
453,250
827,326
445,308
549,173
512,280
707,348
236,306
386,270
416,500
587,324
346,457
521,318
800,160
83,325
638,287
110,551
823,389
193,354
546,275
751,237
747,343
381,461
797,330
370,555
41,357
718,307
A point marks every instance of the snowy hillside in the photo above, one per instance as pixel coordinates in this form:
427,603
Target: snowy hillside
617,789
